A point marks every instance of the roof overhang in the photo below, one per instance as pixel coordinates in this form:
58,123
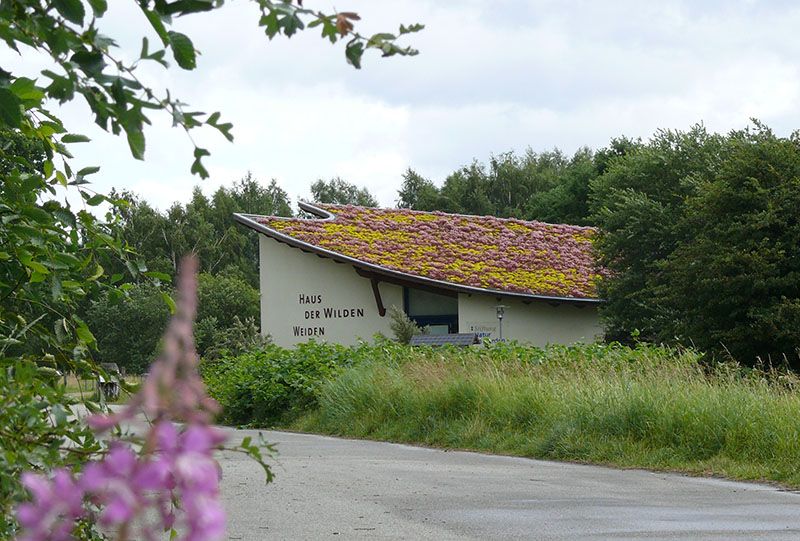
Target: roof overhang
391,275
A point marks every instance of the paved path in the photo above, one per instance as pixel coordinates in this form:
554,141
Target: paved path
329,488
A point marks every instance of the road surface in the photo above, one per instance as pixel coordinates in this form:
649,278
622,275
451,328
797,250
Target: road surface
330,488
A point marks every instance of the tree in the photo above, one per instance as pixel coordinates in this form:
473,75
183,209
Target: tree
700,235
128,329
638,205
203,227
224,302
545,186
418,193
337,191
465,191
567,200
733,282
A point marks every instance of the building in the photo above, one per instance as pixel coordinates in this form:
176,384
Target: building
334,276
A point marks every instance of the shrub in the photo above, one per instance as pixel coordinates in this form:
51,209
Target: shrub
402,326
128,329
226,297
226,319
240,337
272,385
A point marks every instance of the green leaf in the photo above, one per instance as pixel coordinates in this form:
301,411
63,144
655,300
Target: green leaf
224,128
26,89
382,37
98,272
156,23
10,113
155,274
99,7
88,171
411,28
83,332
71,10
74,138
354,51
91,62
183,50
197,165
37,268
145,47
55,288
136,142
270,24
68,260
170,302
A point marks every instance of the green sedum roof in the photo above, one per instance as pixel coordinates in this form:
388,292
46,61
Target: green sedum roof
479,251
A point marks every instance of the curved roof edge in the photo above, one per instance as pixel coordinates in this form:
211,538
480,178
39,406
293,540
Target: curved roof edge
249,220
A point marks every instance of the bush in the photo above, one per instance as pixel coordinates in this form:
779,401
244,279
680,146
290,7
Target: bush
274,385
240,337
128,329
228,306
226,297
402,326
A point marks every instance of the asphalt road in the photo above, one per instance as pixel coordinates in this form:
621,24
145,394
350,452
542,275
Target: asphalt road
329,488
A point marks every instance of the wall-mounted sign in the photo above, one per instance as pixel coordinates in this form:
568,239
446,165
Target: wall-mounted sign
484,329
313,311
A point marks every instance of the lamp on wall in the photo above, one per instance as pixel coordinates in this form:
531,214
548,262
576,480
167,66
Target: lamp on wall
501,309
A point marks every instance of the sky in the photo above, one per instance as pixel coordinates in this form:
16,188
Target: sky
492,76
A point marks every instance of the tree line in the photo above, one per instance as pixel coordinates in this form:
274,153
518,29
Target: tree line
698,230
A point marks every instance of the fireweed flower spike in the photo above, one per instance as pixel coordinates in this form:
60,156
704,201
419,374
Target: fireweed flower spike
173,476
56,505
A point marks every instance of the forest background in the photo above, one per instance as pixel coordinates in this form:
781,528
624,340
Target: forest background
698,230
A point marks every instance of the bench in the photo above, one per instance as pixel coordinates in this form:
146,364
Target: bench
458,339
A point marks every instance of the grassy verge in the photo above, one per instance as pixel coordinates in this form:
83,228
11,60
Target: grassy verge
646,407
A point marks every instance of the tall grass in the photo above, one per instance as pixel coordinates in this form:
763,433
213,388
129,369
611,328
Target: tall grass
644,407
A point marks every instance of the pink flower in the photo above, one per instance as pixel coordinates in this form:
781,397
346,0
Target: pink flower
56,505
172,466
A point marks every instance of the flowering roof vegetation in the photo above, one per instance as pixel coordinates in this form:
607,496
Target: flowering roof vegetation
480,251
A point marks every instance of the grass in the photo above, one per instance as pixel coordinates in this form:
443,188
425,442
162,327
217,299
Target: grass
646,407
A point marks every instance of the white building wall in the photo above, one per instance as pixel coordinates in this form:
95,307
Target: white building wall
304,296
537,323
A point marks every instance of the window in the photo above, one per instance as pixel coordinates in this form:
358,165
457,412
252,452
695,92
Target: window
437,312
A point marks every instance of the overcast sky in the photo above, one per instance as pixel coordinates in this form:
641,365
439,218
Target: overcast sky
492,76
